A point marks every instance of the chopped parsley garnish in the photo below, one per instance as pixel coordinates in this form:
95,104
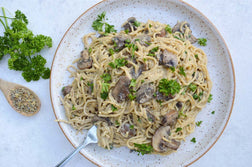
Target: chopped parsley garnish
178,129
196,56
126,31
155,94
113,108
147,43
133,48
150,25
152,51
210,98
198,123
117,123
202,41
198,97
100,22
137,39
104,91
193,140
192,87
144,59
81,78
178,38
143,148
132,83
118,63
89,50
182,71
131,127
160,102
91,85
169,87
127,40
23,47
186,53
106,77
111,51
181,113
104,95
172,68
132,96
142,81
168,28
73,107
212,112
136,23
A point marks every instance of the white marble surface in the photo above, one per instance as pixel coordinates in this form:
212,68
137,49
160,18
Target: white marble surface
38,140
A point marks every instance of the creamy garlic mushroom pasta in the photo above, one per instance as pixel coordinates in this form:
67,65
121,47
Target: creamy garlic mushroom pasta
142,87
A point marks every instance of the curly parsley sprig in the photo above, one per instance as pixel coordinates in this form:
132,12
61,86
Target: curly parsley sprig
23,47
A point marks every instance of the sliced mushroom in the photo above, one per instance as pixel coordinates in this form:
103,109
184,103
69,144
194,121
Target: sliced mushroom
85,61
161,96
181,27
179,105
126,131
119,42
103,119
143,39
170,118
162,33
145,93
161,145
135,74
129,25
168,59
66,90
121,90
150,116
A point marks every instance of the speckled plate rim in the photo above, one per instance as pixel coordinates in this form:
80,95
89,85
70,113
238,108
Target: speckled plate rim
231,61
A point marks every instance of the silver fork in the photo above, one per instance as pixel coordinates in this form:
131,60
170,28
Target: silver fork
91,138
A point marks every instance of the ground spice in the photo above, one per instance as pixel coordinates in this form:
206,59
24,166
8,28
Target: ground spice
23,100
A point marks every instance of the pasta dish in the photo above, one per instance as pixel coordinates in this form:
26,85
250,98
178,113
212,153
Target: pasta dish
142,87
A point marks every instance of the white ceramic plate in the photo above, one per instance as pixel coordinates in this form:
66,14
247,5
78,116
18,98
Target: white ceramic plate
165,11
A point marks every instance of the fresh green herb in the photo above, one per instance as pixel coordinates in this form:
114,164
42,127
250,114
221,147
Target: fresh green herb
178,38
182,71
202,41
104,95
143,148
160,102
196,56
81,78
212,112
131,127
126,31
198,123
192,87
193,140
73,108
63,88
150,25
91,85
139,120
113,108
142,81
127,40
193,74
23,47
106,77
147,43
99,23
178,129
181,113
105,87
89,50
210,98
172,68
111,51
168,28
144,59
133,48
118,63
195,96
155,94
152,51
132,83
137,39
185,52
169,87
132,96
117,123
136,23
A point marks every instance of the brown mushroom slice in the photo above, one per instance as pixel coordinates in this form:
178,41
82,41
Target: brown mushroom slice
103,119
170,118
168,59
126,131
161,96
119,42
121,90
143,39
135,74
179,105
181,27
145,93
85,62
161,145
150,116
129,25
66,90
162,33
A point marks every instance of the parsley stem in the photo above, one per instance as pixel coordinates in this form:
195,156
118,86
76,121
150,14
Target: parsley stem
5,19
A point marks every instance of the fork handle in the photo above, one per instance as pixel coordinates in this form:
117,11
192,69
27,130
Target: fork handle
64,161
